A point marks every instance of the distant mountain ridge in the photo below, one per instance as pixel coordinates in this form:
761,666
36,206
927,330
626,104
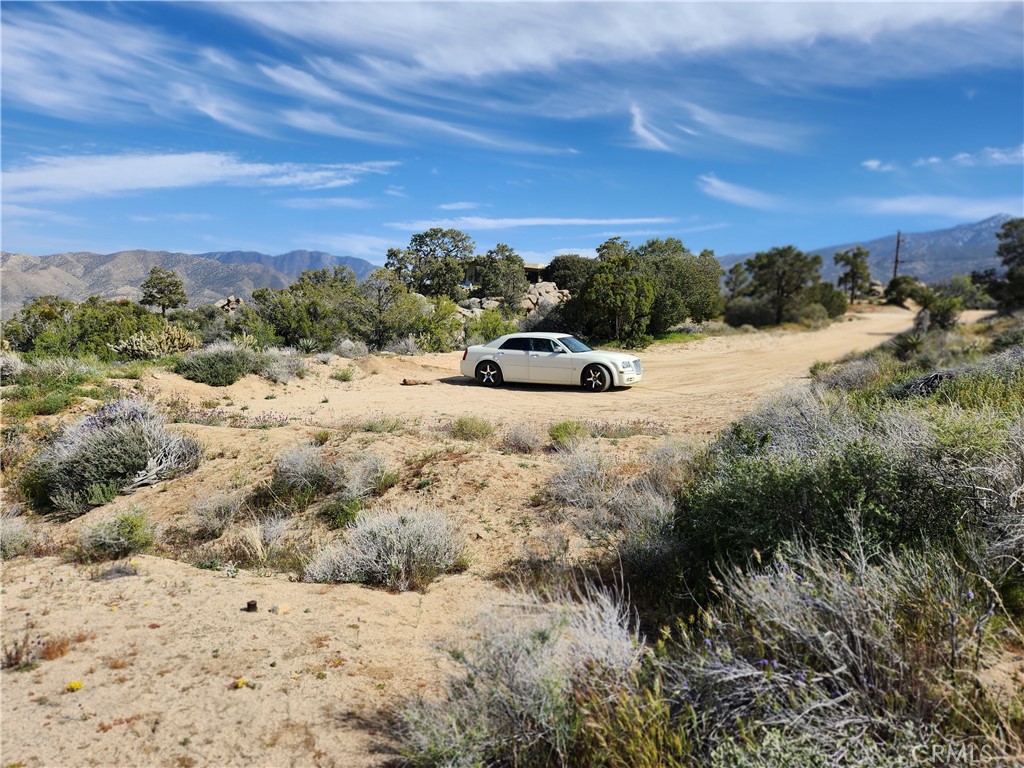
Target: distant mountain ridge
929,256
208,277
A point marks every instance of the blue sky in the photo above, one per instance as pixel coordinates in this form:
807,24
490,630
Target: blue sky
347,127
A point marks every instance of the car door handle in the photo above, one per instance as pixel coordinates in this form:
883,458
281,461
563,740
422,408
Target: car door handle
535,355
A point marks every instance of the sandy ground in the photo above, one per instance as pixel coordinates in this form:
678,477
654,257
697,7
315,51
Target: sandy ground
174,672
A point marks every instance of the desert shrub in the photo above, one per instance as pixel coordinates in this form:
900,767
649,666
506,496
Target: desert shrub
1012,337
344,374
368,476
280,365
747,311
406,346
622,429
216,513
836,651
351,349
119,536
668,466
324,358
11,367
521,438
800,465
121,447
813,316
516,699
400,549
567,434
383,424
828,297
218,365
15,536
301,473
471,428
341,513
586,480
995,383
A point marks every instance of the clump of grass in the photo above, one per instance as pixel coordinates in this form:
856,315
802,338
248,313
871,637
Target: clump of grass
122,535
218,365
383,425
521,438
263,542
341,513
621,430
123,446
321,437
15,535
344,374
400,549
471,428
216,513
587,480
351,349
568,434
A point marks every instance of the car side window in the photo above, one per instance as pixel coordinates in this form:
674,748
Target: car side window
520,344
543,345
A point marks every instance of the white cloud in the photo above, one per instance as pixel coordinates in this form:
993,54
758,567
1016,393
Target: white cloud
369,247
712,186
950,207
986,157
485,223
878,166
63,178
647,137
461,206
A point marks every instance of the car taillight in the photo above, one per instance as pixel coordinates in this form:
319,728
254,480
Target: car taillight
465,352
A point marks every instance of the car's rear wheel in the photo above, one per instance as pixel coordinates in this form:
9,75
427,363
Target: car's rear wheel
595,378
489,374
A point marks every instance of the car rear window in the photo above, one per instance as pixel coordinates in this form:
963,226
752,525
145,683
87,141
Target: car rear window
517,343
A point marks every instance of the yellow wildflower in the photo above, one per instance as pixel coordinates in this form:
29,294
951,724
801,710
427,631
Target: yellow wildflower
74,685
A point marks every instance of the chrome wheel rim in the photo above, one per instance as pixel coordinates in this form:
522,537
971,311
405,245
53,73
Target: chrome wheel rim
595,379
487,374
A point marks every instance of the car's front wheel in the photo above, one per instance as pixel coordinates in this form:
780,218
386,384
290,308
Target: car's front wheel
489,374
595,378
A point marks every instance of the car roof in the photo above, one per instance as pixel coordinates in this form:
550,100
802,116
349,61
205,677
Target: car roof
535,335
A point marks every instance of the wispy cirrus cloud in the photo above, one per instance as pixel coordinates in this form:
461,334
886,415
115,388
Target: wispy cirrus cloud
71,177
712,186
321,203
485,223
459,206
987,157
945,206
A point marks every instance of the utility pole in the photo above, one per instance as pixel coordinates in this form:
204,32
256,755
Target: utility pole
896,261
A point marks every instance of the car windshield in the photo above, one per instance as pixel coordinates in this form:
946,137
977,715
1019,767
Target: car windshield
573,344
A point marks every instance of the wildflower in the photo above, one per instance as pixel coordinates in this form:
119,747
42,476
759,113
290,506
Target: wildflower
241,682
73,686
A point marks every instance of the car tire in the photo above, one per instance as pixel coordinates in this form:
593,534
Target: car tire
596,378
488,373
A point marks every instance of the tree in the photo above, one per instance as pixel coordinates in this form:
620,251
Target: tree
1011,243
434,262
163,288
322,305
780,275
619,295
570,272
684,285
856,276
390,309
500,273
737,281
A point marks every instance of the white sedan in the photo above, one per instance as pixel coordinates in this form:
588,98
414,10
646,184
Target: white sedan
549,358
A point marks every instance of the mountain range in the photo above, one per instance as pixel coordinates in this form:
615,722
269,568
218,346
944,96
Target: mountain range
931,257
207,277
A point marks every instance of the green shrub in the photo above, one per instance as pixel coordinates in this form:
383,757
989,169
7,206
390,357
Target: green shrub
471,428
1013,337
15,536
218,365
747,311
124,445
120,536
813,316
341,513
344,374
152,345
567,434
400,549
